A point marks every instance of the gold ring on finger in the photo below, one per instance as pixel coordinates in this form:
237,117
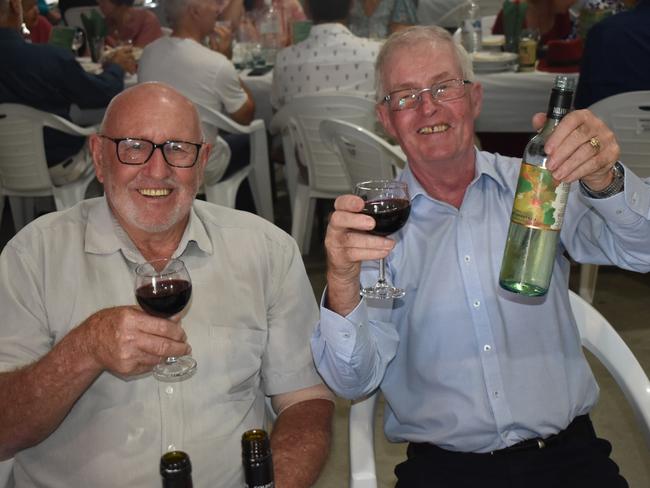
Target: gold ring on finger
595,143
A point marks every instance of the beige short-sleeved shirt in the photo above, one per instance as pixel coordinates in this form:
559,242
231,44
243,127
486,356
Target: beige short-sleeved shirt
249,324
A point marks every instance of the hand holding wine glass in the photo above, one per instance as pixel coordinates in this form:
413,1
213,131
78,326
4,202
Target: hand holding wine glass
163,288
387,202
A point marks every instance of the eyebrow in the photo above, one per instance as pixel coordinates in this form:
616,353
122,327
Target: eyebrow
445,75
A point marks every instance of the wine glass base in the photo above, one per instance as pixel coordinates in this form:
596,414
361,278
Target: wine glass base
175,369
382,292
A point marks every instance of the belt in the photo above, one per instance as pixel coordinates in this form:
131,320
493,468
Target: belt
580,428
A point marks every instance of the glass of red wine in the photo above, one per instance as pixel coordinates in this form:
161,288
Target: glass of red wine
163,288
387,202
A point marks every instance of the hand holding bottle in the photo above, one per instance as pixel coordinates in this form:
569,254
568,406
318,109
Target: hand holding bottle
581,147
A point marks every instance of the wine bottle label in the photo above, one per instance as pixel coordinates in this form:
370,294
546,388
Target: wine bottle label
539,200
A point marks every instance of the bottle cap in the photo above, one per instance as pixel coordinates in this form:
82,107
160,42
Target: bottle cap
564,82
175,463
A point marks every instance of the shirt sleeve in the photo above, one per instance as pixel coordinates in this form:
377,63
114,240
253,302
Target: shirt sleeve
351,353
85,89
287,364
228,86
614,230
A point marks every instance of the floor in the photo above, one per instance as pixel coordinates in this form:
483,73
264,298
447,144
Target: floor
622,297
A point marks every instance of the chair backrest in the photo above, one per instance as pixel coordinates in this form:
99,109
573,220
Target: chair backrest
299,122
365,155
23,167
260,177
597,336
72,15
628,115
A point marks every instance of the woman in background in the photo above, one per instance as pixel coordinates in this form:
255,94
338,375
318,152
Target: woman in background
550,17
379,18
129,25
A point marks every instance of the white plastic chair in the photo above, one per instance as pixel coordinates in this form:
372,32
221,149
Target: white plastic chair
365,155
223,192
258,173
6,470
597,336
628,116
299,123
23,167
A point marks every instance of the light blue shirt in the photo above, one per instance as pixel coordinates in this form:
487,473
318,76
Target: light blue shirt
376,25
462,363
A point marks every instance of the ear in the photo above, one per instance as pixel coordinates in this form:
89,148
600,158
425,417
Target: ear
476,98
95,143
384,115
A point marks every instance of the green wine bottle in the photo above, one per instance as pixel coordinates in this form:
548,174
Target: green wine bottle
538,209
176,470
257,459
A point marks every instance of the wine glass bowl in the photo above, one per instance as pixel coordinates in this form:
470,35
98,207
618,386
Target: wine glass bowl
163,288
389,204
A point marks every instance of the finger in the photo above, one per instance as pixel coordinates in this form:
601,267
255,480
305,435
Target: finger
160,327
163,347
349,203
343,221
538,120
566,140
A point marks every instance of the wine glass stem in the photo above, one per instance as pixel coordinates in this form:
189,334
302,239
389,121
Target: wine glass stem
382,271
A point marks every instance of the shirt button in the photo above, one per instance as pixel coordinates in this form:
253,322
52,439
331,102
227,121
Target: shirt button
467,259
487,348
477,303
169,390
635,197
346,335
496,394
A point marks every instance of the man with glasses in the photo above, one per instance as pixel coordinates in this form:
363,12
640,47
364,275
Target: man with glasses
489,388
80,406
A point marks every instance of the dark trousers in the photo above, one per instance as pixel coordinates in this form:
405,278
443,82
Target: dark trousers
574,459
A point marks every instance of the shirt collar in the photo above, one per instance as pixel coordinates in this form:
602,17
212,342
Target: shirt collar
104,235
329,28
484,165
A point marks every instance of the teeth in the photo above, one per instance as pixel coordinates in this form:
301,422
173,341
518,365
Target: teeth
155,192
434,129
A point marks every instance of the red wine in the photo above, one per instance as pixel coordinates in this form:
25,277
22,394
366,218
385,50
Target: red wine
390,214
167,298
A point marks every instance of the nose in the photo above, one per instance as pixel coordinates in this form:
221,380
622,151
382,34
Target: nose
428,105
157,167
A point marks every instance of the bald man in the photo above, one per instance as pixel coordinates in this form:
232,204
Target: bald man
80,406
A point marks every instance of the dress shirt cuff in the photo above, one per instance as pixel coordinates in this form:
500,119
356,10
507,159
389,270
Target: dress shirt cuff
341,333
625,207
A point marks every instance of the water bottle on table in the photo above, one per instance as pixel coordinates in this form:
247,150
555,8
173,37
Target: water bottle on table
471,30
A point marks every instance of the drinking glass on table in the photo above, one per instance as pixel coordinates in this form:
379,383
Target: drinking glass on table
78,40
389,203
163,288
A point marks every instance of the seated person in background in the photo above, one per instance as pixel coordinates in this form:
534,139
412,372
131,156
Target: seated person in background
203,75
379,18
38,25
81,407
616,56
129,25
330,60
445,13
49,78
290,10
478,380
53,15
550,17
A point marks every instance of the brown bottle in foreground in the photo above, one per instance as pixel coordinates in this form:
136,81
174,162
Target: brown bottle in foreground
176,470
257,459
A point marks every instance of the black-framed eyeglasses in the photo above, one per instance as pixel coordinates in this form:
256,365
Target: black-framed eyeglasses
179,154
411,98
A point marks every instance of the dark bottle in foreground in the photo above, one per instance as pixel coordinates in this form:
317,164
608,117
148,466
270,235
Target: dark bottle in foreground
176,470
538,209
257,459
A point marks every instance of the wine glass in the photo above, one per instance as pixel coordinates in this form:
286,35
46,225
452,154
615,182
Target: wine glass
387,202
163,288
78,40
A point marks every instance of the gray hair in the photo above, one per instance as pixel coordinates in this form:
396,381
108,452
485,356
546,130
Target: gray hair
175,9
433,34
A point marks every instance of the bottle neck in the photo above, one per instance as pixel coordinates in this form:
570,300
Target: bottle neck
558,106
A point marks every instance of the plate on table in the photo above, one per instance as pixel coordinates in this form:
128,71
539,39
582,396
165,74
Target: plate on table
88,65
494,62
